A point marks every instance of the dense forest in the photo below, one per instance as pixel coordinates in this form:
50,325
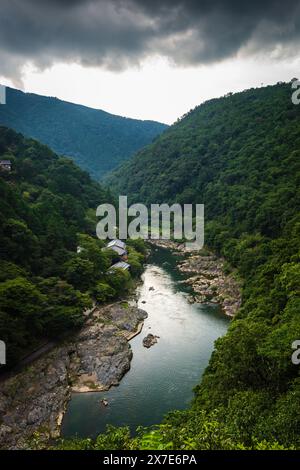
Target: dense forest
240,156
47,210
97,141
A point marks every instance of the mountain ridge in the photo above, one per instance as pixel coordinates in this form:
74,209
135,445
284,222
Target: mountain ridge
96,139
239,155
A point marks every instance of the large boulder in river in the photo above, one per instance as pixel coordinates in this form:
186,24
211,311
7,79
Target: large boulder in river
149,340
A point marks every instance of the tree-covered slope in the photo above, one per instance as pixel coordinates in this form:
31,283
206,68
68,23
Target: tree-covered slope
96,140
240,156
47,209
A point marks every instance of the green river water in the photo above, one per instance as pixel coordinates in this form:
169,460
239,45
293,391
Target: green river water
161,378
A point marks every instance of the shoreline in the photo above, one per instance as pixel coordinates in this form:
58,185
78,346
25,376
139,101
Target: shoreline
137,332
96,358
104,388
206,275
99,355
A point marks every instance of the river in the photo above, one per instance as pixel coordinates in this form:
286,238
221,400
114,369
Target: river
161,378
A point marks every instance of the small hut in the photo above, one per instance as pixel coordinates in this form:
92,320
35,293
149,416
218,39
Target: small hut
119,247
5,165
120,265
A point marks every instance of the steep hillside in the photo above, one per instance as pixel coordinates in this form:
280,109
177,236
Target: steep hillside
96,140
240,156
47,209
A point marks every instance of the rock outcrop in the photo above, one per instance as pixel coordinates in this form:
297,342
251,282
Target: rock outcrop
207,277
210,283
150,340
103,353
35,398
95,359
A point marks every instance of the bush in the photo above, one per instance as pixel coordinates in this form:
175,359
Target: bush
103,292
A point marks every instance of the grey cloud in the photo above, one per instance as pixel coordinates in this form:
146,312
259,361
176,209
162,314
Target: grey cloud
117,33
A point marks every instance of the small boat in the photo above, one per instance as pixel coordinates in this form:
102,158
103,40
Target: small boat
104,402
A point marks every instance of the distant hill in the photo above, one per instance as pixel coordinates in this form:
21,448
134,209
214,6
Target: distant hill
96,140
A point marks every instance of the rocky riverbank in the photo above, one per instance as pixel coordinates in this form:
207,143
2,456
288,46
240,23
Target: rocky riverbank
103,354
35,399
210,283
207,277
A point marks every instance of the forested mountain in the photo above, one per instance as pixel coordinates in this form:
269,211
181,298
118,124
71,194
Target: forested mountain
97,141
240,156
47,209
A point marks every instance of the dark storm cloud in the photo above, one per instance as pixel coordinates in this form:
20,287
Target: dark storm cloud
118,33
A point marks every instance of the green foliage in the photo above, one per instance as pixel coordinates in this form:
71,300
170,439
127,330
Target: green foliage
135,259
239,155
113,439
91,249
138,244
79,272
21,307
64,306
180,431
102,292
45,214
10,270
119,280
96,140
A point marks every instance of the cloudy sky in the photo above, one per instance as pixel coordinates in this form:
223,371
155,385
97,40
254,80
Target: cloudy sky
147,59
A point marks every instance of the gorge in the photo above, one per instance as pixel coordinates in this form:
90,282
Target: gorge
161,379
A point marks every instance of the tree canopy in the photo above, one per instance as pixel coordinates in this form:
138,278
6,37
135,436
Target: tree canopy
239,155
47,210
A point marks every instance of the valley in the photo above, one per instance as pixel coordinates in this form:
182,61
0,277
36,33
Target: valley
216,370
62,391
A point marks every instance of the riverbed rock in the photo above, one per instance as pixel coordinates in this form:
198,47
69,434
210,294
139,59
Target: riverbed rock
103,354
210,283
124,316
34,398
207,277
104,357
150,340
